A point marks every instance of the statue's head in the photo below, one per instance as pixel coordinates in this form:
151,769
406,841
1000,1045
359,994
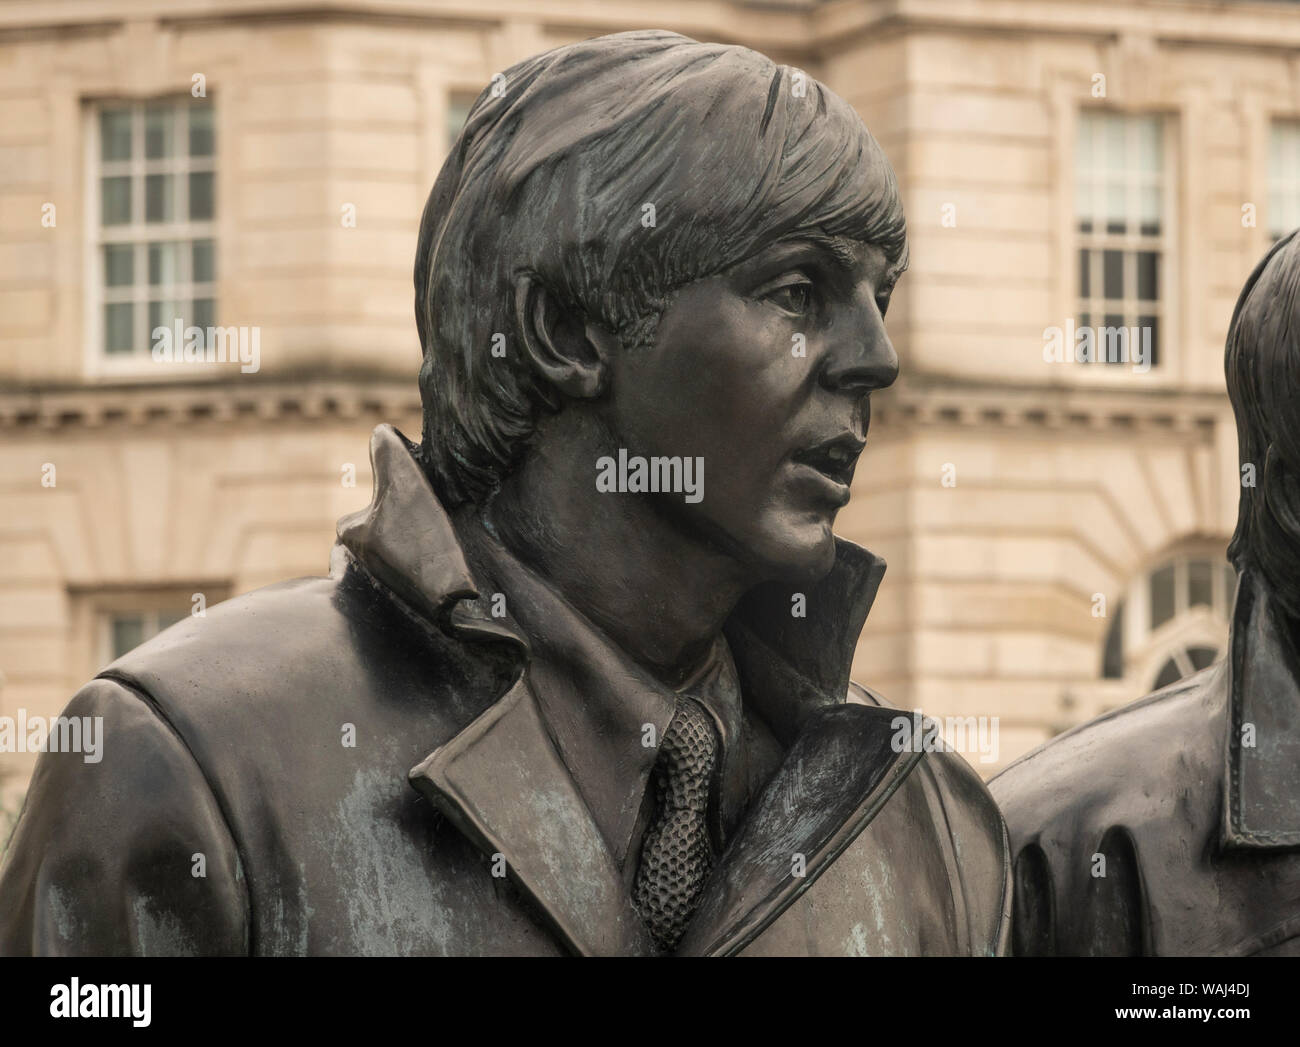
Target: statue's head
1262,364
684,249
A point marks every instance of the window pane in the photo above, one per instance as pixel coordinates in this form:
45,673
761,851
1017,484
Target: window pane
1200,584
1114,136
115,200
1112,266
1283,212
169,618
128,633
159,120
1149,210
1149,332
1202,657
164,313
1116,207
205,262
1085,282
201,208
1168,674
119,320
201,133
1112,664
115,134
458,109
1112,341
1147,264
1147,131
202,314
1162,596
164,264
119,265
159,198
1083,199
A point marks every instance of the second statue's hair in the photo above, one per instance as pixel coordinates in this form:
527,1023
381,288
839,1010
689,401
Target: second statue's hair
1262,366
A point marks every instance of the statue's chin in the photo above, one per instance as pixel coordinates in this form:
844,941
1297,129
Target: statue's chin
801,556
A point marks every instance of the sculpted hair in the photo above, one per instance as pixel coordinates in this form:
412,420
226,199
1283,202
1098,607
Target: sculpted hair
616,170
1262,365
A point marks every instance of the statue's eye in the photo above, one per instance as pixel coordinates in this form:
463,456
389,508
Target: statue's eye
795,297
882,300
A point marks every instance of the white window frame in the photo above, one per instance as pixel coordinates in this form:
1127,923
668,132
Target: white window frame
1284,178
1163,306
139,364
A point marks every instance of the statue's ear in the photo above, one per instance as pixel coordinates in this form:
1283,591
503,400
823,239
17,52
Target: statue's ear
569,351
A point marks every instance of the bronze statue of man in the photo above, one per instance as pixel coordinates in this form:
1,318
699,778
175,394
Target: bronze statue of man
1172,826
578,681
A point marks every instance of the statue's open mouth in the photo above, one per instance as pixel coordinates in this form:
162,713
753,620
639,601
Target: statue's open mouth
835,458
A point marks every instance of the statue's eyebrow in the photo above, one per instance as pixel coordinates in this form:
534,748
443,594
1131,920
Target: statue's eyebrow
843,250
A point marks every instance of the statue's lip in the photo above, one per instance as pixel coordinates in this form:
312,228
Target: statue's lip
834,458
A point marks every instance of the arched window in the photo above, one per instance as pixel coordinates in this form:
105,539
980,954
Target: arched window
1173,621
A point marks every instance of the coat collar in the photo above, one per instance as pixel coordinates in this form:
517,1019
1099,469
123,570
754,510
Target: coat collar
502,781
1262,806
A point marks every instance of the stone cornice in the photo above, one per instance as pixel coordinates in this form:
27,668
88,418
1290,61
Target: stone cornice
927,403
266,401
951,404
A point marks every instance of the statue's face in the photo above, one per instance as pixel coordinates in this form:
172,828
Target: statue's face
764,371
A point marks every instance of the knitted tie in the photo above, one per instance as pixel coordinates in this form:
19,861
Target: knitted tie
677,856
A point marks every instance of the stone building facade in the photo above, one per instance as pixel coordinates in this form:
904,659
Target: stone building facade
1054,529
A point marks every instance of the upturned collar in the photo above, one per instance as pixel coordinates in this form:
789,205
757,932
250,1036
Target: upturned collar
1262,779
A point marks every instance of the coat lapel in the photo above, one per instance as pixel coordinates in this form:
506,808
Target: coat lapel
499,780
502,783
836,777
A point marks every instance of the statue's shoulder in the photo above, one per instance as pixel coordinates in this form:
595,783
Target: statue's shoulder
324,650
1121,768
964,809
1100,816
257,641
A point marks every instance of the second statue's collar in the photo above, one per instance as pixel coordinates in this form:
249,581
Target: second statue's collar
1262,784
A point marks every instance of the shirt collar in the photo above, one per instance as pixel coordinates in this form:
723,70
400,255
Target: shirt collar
605,712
